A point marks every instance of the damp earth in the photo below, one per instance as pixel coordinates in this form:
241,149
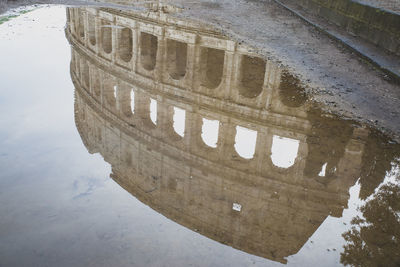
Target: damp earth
138,138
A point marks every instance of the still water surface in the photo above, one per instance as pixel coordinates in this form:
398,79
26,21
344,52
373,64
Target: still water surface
139,139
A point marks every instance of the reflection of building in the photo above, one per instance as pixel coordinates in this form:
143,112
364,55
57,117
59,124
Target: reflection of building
122,62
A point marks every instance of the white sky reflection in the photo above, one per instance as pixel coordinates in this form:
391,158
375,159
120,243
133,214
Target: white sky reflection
245,142
284,151
179,121
209,132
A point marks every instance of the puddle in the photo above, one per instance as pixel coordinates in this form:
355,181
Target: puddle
216,157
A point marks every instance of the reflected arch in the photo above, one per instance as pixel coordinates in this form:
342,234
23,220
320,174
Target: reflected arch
106,36
291,92
126,99
92,29
81,25
284,151
125,44
153,111
210,132
245,142
251,77
177,59
110,93
85,74
212,66
179,119
148,50
95,83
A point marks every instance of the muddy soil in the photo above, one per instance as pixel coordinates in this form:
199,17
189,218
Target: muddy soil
334,77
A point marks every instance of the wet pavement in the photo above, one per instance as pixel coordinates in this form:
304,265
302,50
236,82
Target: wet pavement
141,139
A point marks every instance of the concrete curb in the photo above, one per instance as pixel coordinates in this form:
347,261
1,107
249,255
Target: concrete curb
393,74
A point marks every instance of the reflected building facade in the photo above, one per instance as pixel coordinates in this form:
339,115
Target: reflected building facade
138,75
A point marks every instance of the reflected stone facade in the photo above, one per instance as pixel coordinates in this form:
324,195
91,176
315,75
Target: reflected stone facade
123,61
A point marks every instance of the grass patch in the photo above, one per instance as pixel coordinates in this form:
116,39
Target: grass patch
26,11
7,18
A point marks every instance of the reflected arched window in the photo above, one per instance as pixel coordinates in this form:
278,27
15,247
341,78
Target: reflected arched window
212,66
177,57
85,75
153,110
81,25
148,50
106,37
133,101
92,29
115,91
284,151
125,44
251,76
245,142
96,86
109,93
209,132
323,170
179,121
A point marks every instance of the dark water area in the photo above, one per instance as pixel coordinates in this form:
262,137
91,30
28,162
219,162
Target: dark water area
136,138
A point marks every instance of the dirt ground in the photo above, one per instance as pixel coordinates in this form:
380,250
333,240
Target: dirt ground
333,76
